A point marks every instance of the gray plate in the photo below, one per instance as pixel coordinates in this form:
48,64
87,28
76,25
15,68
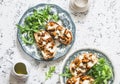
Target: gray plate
68,60
67,22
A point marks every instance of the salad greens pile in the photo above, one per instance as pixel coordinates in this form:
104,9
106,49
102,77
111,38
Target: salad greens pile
35,22
101,72
49,73
66,73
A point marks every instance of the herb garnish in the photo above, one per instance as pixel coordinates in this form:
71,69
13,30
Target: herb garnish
66,73
101,72
49,73
35,22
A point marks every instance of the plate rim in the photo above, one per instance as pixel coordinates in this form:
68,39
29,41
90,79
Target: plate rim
82,49
36,6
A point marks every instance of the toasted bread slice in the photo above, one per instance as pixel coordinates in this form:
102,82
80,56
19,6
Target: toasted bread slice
46,44
86,80
60,33
82,64
52,26
73,80
80,80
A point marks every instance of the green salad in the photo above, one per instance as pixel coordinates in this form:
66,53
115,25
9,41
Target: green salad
35,22
101,72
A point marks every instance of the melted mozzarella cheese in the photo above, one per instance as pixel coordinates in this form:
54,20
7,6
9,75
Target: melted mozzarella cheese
90,64
81,57
52,27
86,82
46,36
78,81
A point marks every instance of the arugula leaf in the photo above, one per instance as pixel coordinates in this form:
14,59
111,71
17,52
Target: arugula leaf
26,41
102,72
66,73
49,73
55,17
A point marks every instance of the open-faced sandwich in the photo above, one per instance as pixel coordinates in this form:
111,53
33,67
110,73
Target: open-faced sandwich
46,39
46,44
82,63
60,33
80,80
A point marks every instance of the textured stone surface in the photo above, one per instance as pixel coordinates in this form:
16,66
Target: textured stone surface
99,28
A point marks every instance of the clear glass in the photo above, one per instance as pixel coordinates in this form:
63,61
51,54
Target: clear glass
79,5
